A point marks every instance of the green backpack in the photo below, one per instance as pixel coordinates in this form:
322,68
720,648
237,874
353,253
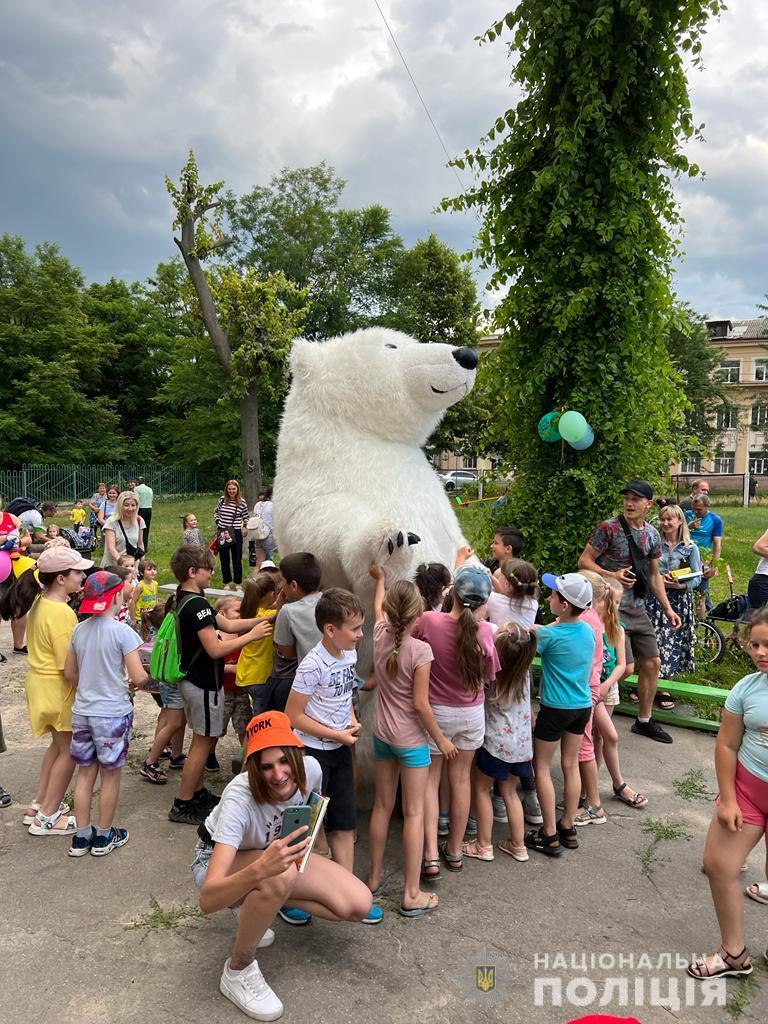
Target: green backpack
165,660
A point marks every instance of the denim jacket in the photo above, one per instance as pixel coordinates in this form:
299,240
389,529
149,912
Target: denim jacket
672,558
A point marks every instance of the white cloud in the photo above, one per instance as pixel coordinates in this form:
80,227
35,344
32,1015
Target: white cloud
95,110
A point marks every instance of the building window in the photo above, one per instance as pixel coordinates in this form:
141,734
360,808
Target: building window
761,369
727,417
467,462
725,462
691,465
729,371
759,415
758,463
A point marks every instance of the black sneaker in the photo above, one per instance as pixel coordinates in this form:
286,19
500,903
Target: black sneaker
652,730
187,812
205,798
212,764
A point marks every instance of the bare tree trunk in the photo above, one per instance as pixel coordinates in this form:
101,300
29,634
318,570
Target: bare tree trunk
249,445
249,403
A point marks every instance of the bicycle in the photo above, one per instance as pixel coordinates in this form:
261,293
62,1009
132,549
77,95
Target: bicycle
712,644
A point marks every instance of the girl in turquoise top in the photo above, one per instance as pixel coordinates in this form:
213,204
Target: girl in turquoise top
741,819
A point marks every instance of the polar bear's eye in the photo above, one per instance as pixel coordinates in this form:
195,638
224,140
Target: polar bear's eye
389,345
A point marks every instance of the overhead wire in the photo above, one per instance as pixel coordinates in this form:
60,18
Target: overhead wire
418,93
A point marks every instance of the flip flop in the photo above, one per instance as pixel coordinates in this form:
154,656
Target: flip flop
380,887
761,896
664,701
432,904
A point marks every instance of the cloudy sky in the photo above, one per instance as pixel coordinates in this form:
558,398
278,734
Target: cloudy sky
98,100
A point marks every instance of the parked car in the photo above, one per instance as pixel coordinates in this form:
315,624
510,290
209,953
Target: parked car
455,479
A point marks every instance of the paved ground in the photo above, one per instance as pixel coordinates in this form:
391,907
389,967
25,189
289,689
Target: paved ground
73,948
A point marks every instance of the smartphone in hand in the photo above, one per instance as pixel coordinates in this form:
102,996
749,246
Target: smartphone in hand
293,818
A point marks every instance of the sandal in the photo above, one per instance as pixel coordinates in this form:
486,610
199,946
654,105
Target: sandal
5,798
58,826
634,696
516,852
430,871
568,836
432,904
720,965
638,800
664,701
758,892
453,861
549,845
476,851
31,812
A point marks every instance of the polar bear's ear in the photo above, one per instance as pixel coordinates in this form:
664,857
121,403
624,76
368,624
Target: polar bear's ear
304,358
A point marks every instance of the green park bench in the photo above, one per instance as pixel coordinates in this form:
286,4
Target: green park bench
685,693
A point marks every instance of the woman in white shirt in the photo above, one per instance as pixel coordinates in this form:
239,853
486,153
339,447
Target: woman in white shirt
242,861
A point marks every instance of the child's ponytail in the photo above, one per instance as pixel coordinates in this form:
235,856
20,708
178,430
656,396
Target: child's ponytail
611,603
402,604
521,577
516,647
471,656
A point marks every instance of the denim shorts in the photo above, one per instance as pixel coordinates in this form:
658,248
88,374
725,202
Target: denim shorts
408,757
171,697
203,854
101,741
495,768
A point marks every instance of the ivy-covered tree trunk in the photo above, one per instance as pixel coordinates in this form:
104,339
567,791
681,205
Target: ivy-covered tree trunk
576,202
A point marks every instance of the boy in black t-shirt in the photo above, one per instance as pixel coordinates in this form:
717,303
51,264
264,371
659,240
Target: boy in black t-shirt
202,654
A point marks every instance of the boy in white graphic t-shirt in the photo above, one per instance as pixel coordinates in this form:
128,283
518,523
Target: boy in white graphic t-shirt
320,709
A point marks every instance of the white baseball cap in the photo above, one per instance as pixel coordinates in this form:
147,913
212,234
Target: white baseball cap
571,586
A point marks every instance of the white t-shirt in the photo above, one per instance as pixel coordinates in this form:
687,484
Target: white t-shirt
32,520
239,821
328,682
100,645
521,610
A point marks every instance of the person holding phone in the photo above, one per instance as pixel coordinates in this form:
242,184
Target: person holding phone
244,861
609,552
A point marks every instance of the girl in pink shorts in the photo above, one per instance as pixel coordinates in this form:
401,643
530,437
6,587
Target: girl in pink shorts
741,819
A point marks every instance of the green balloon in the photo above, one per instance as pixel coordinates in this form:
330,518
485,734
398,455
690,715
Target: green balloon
572,426
548,428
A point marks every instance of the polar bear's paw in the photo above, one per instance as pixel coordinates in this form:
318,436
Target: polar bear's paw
395,551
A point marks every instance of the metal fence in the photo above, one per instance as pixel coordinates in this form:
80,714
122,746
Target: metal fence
65,483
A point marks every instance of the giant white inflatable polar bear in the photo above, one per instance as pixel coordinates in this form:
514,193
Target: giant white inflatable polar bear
352,480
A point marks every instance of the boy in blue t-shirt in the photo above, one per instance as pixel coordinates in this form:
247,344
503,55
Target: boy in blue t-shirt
566,649
706,531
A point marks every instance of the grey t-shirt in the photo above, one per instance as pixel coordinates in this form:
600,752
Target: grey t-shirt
100,645
295,626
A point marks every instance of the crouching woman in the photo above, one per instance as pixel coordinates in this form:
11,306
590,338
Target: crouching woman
242,861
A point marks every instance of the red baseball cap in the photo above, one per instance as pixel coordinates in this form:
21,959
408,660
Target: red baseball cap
99,590
603,1018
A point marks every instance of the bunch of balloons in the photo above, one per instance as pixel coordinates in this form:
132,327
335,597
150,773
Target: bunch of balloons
568,426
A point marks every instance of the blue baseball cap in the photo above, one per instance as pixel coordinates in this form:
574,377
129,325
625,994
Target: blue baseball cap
472,586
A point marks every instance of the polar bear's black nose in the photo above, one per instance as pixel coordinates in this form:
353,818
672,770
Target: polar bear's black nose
465,357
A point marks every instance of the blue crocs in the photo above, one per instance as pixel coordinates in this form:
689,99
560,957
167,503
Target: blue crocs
292,915
376,916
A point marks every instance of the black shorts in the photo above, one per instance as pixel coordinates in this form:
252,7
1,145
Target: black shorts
551,723
339,786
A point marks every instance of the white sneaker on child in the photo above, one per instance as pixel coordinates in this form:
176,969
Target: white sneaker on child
248,990
532,809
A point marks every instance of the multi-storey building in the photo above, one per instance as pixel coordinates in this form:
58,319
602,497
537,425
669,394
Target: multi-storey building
742,443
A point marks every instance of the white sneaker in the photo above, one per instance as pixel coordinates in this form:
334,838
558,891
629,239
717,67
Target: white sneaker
266,939
532,809
499,810
248,990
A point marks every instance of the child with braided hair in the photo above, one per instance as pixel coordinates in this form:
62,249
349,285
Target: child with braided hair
404,723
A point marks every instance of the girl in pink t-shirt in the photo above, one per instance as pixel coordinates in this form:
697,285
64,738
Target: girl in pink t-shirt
464,660
404,724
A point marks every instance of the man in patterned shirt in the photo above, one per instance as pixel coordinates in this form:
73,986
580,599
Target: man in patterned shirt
608,553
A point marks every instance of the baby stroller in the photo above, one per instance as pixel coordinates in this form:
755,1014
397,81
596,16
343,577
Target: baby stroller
81,540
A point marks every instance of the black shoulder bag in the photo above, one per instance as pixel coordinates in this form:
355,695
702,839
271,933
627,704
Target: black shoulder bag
639,562
131,549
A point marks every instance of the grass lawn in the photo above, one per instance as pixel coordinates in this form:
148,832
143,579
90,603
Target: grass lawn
741,528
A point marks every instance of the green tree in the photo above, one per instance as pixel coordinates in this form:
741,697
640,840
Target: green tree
250,319
52,358
576,202
345,259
